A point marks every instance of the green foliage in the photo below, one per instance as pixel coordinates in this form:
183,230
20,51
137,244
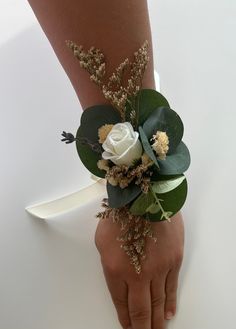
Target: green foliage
145,102
177,162
171,202
157,177
147,147
96,116
165,186
87,144
165,119
118,197
153,208
88,156
140,205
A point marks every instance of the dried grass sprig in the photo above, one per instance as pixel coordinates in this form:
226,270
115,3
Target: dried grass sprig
116,91
134,231
123,175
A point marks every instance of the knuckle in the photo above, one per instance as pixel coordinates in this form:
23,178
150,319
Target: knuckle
124,323
158,301
147,272
140,314
120,302
111,267
171,299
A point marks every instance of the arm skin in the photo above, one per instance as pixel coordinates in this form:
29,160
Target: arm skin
118,28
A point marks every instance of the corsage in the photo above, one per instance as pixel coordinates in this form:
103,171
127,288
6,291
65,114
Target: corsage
135,144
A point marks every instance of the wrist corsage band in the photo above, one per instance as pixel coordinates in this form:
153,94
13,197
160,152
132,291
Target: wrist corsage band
136,145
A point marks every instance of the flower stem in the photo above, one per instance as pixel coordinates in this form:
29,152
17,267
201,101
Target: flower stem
165,214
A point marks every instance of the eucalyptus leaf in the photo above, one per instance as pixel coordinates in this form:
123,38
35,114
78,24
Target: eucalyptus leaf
177,162
171,202
147,147
140,205
167,185
153,208
118,197
165,119
88,147
88,156
146,101
96,116
156,176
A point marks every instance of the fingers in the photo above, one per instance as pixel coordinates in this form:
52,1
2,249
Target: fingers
139,300
158,301
171,293
119,294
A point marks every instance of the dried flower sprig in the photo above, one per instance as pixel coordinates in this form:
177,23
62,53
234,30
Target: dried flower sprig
136,230
69,138
123,175
115,91
92,61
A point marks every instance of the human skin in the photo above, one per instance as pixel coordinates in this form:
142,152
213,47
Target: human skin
118,28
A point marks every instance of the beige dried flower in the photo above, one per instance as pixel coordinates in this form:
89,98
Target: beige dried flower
103,164
134,232
123,175
115,91
146,160
161,144
112,180
103,131
92,61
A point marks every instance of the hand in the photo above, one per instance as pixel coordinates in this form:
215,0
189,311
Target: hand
143,301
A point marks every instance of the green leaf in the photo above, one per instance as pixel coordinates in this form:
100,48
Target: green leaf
157,177
96,116
87,144
146,101
88,156
177,162
140,205
167,214
147,147
171,202
118,197
154,208
165,186
165,119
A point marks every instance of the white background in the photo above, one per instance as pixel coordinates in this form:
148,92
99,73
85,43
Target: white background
50,272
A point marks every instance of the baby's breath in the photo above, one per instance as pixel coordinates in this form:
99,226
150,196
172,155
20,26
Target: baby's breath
123,175
161,144
134,231
115,90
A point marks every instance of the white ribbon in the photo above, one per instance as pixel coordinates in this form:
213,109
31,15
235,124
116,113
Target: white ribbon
50,209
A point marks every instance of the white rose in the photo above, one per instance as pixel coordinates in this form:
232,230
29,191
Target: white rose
122,145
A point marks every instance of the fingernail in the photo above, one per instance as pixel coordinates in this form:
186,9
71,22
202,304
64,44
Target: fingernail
169,315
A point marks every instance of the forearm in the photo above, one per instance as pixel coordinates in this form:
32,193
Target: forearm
117,27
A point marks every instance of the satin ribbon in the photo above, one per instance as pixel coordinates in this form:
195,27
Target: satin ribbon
51,209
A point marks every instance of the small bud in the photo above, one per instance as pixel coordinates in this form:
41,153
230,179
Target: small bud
69,138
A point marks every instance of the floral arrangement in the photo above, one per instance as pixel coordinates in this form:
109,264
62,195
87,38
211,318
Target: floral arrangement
136,145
